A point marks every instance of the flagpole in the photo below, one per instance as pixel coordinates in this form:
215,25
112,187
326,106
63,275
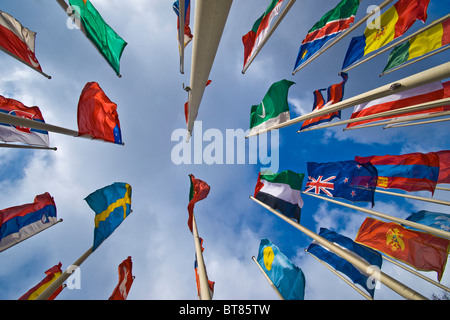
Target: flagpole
417,123
419,79
25,63
63,277
363,266
181,9
438,232
435,22
269,34
268,279
442,188
203,278
341,36
438,201
21,146
365,295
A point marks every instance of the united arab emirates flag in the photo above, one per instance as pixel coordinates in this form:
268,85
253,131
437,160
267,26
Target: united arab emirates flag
281,191
273,109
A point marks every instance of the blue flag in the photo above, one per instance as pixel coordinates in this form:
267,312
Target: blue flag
286,277
111,204
433,219
349,180
342,265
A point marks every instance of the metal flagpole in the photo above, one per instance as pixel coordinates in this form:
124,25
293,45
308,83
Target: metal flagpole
438,201
181,9
203,278
417,123
442,188
438,232
341,36
63,277
25,63
269,34
419,79
268,279
21,146
363,266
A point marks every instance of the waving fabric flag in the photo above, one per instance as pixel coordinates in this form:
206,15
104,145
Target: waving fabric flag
281,191
197,278
425,42
105,39
252,40
111,204
335,94
97,115
52,273
436,220
199,190
342,265
349,180
125,280
393,24
187,13
420,250
21,222
444,166
18,40
429,92
11,133
329,26
285,276
410,172
274,108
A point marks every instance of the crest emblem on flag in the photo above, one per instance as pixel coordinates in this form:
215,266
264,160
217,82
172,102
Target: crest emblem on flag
394,240
320,185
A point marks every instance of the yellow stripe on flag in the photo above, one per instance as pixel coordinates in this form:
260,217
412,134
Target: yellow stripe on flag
113,206
41,289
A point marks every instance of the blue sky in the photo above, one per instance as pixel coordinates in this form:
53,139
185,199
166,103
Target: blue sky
150,99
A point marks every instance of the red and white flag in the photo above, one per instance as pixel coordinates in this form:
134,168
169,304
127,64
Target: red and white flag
125,281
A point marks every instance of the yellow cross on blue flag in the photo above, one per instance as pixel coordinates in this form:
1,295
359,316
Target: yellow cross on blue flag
111,204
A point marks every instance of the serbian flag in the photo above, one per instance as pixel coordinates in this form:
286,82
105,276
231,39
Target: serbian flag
125,280
11,133
429,92
420,250
199,190
52,273
335,93
97,115
393,24
187,13
21,222
444,166
18,40
410,172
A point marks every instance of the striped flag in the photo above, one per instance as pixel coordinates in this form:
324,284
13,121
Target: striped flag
21,222
51,275
125,280
187,13
444,166
197,278
281,191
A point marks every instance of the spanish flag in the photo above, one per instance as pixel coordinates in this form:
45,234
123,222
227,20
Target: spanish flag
420,250
52,273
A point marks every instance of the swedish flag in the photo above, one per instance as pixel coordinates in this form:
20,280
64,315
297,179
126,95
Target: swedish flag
111,204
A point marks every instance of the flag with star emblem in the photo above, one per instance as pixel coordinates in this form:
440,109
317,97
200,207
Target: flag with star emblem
349,180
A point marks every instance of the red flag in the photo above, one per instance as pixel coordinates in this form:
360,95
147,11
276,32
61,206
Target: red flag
125,281
52,273
186,105
97,115
421,250
199,190
197,279
444,166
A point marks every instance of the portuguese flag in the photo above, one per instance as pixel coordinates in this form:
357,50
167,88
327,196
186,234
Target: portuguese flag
199,190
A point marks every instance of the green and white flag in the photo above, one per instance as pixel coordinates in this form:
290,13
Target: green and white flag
273,109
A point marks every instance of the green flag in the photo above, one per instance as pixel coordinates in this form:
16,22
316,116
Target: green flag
107,41
273,109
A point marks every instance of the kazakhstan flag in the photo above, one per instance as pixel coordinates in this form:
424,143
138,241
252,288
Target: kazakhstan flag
111,204
286,277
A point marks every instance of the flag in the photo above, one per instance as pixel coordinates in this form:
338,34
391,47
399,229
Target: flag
12,133
97,115
253,39
429,92
410,172
370,256
444,166
335,93
328,27
197,278
423,43
111,204
273,109
125,280
187,13
106,40
420,250
285,276
199,190
436,220
51,275
21,222
281,191
393,24
186,105
350,180
18,40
